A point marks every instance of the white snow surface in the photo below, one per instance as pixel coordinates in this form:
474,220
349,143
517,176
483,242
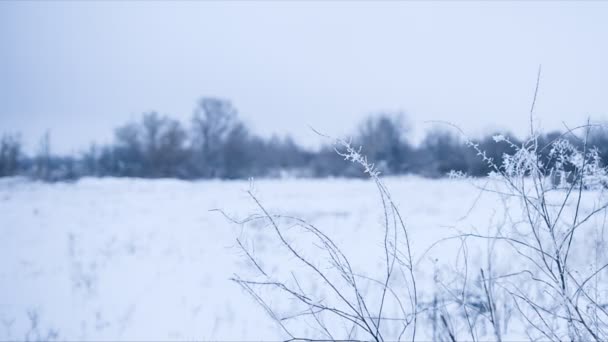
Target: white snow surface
134,259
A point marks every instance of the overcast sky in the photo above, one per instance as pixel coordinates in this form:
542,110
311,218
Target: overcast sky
80,69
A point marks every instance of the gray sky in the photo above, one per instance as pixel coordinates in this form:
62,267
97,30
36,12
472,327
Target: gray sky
80,69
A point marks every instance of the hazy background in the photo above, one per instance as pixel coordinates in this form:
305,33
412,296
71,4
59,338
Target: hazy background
80,69
154,153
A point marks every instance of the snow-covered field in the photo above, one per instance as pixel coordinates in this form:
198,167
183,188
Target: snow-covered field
131,259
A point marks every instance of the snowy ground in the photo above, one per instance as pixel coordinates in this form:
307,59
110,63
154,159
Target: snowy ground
129,259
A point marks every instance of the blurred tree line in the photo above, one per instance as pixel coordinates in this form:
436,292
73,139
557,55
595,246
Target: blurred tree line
217,144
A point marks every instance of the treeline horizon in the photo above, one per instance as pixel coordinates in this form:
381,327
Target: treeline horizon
217,144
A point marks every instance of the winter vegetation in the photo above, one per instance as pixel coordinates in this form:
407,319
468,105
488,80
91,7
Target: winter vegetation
217,144
534,272
286,215
517,255
509,245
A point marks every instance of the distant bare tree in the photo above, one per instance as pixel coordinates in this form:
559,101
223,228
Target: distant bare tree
154,148
442,151
164,145
91,161
43,158
10,154
384,140
214,122
128,151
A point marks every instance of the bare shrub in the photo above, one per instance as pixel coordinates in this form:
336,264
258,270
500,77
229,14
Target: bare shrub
348,304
